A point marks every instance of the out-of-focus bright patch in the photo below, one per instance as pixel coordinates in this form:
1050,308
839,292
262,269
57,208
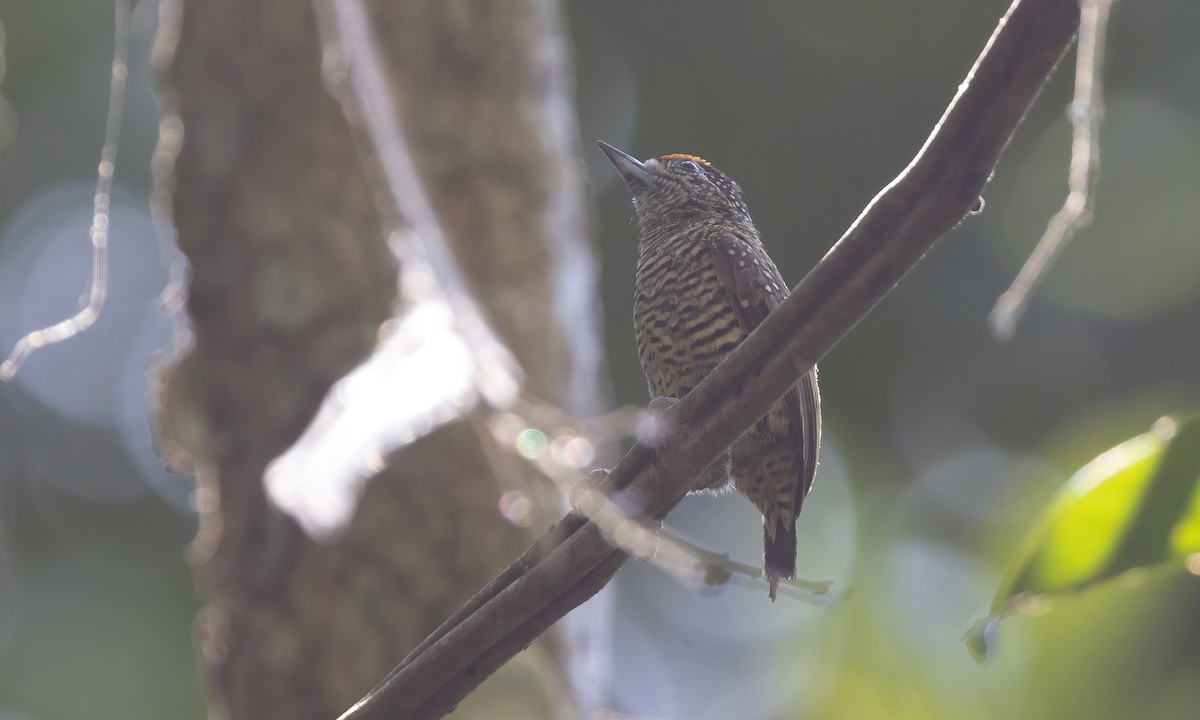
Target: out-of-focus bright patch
1138,258
422,376
1135,507
531,443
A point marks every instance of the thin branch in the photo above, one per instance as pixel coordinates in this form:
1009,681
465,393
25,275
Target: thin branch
693,564
87,315
354,72
1087,110
668,550
929,198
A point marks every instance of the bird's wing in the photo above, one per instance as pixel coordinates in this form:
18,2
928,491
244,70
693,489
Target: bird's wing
756,288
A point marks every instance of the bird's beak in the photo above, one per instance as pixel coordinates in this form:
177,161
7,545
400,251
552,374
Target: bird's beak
633,171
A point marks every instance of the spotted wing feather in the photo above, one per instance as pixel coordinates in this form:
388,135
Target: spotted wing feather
756,288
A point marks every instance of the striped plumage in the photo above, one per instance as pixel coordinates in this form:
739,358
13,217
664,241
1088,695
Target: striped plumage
704,281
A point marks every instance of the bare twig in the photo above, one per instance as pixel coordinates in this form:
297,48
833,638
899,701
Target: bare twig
698,565
319,479
688,562
932,195
1086,112
87,315
354,73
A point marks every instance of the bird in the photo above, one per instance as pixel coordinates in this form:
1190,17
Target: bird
703,282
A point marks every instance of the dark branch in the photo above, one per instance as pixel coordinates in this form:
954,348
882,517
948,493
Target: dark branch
929,198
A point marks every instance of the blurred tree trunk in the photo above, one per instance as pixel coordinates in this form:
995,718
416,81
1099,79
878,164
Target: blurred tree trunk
290,279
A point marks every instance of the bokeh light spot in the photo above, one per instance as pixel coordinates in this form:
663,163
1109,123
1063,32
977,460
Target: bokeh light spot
532,443
506,427
572,451
517,508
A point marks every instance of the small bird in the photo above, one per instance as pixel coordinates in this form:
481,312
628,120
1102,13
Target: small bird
703,282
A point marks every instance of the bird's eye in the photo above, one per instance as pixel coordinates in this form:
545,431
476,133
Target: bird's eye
689,165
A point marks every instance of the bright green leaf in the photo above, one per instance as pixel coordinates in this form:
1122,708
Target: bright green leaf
1135,506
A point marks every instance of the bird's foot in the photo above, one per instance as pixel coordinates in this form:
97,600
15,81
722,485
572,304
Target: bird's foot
661,403
583,495
651,429
718,477
597,476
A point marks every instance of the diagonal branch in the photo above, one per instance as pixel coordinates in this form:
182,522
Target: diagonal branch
929,198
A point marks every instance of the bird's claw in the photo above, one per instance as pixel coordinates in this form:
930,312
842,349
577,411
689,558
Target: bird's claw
661,403
581,496
597,476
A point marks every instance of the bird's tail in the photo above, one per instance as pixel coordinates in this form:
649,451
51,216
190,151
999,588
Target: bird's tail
779,553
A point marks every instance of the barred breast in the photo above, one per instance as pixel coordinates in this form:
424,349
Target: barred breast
682,316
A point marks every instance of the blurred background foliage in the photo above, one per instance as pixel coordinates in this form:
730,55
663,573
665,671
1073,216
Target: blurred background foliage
942,446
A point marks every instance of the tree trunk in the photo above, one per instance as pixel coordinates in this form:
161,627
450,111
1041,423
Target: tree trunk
290,279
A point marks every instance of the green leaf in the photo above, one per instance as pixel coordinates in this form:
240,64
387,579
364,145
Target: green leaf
1134,507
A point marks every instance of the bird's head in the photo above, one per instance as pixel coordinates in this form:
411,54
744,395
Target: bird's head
674,189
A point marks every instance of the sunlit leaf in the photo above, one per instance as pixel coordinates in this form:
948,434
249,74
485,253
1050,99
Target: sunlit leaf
1135,506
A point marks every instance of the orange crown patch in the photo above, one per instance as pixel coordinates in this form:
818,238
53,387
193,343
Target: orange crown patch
684,156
